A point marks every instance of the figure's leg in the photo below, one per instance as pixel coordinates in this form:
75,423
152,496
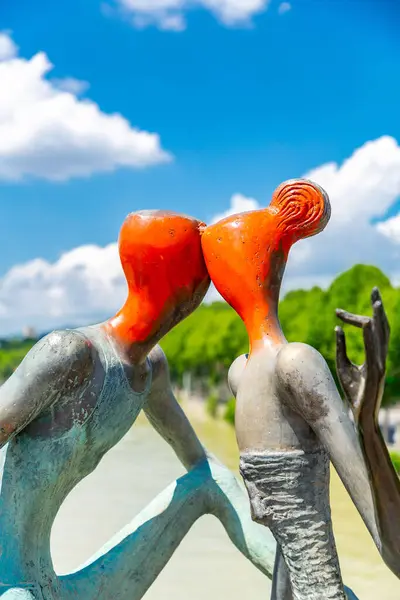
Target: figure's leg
281,588
127,566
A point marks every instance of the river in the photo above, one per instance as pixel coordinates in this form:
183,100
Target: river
206,565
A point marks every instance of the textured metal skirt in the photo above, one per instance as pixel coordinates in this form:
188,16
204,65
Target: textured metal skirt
289,493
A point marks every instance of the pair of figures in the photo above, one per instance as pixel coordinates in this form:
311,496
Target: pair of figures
78,392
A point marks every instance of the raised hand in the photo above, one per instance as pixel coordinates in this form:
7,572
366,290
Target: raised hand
363,385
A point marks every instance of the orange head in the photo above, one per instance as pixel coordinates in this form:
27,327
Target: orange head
246,253
164,267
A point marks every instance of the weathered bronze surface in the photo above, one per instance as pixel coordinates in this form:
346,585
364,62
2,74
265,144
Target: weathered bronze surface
363,387
79,391
290,419
76,394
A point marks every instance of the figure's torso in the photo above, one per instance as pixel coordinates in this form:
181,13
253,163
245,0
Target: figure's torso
263,420
42,464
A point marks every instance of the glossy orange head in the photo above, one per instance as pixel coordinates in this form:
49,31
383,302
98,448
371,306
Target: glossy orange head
167,278
246,253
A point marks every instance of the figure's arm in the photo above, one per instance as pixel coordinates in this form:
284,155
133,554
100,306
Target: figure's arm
307,386
363,387
167,417
58,364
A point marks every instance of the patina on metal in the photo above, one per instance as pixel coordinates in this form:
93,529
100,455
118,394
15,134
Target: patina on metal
76,394
290,419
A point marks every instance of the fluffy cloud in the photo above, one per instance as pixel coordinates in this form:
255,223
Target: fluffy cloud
86,284
361,190
390,229
71,85
47,131
170,14
239,203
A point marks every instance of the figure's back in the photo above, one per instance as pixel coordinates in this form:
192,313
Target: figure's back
263,421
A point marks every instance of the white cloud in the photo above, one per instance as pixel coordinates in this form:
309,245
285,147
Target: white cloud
366,184
239,203
390,229
87,284
284,7
48,132
71,85
170,14
361,189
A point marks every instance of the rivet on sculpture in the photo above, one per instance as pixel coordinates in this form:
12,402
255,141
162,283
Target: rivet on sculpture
290,419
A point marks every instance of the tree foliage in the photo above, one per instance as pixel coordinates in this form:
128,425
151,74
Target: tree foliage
207,342
12,353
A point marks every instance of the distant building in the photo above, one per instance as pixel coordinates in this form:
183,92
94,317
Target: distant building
29,333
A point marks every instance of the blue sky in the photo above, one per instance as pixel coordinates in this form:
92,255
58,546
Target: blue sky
239,102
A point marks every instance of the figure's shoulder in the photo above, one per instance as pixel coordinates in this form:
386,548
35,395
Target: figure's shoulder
304,380
298,362
294,353
62,351
66,343
159,365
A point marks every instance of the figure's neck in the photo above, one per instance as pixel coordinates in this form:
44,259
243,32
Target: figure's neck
261,315
134,329
263,326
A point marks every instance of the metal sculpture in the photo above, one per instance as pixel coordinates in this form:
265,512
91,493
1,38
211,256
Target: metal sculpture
290,419
78,392
363,387
74,397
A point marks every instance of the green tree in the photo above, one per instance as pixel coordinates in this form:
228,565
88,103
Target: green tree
208,341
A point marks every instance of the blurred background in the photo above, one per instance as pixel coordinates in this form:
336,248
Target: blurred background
201,107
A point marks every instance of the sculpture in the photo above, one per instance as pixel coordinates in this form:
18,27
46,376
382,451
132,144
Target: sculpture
76,394
79,391
290,419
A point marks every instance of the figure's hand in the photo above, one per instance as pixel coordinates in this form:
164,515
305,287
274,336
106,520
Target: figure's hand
363,385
